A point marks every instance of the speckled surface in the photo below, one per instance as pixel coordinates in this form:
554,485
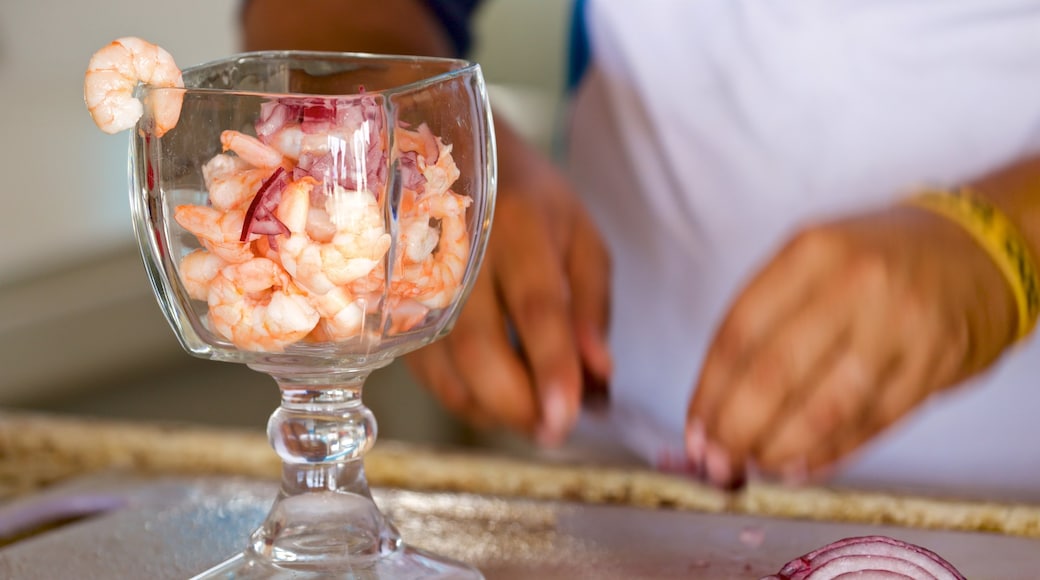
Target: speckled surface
174,527
185,497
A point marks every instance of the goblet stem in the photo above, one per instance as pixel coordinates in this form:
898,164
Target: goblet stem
324,515
324,524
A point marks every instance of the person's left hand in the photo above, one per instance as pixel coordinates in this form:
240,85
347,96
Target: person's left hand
847,329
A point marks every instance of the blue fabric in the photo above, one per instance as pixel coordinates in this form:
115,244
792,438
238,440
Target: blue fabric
579,52
456,16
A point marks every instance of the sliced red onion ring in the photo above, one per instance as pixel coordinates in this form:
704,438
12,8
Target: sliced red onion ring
868,557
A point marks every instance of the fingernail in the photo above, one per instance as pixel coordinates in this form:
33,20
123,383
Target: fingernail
595,392
696,442
716,461
554,419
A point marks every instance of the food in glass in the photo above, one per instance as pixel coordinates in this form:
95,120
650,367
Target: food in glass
314,216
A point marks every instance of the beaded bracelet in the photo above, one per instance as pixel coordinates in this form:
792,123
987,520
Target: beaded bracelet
999,238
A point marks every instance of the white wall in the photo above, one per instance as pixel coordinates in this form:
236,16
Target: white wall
64,182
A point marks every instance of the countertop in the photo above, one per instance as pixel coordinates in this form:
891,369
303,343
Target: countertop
37,451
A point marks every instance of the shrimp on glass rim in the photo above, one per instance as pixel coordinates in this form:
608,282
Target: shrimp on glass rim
115,71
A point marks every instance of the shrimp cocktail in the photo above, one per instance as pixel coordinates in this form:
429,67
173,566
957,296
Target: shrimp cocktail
314,216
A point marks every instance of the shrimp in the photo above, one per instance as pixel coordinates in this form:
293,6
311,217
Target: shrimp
433,280
251,150
418,238
219,232
342,313
115,71
288,141
230,181
434,159
257,307
422,141
198,269
358,242
441,175
293,142
405,314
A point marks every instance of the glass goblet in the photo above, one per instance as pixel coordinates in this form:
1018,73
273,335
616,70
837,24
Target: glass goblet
314,216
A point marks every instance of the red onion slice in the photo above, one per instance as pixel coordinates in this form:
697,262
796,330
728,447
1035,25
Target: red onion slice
260,217
869,557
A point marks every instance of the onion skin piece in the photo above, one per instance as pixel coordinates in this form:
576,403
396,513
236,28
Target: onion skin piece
867,557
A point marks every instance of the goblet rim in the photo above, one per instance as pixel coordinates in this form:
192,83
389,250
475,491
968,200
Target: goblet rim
459,67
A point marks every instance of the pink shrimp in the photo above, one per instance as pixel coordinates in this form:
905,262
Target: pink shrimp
421,141
435,277
251,149
405,314
288,140
257,307
197,271
114,72
218,231
293,142
441,175
434,160
230,181
342,313
358,242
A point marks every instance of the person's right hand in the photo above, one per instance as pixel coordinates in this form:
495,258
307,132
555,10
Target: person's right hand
537,315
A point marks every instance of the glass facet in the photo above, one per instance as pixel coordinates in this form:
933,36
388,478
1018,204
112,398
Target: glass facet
314,216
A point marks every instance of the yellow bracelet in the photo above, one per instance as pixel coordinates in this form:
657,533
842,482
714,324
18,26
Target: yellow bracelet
1001,240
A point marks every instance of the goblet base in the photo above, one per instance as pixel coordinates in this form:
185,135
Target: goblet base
404,563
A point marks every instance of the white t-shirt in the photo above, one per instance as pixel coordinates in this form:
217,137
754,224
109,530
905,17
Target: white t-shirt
705,132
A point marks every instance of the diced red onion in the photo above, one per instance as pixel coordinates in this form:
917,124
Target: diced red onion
411,178
360,117
868,557
273,116
317,116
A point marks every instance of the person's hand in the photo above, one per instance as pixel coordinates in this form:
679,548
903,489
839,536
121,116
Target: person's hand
849,327
537,315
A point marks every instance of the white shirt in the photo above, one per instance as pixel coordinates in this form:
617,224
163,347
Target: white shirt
708,131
